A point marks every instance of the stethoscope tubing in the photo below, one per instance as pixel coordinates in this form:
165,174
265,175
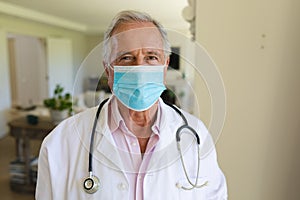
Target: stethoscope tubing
178,135
90,167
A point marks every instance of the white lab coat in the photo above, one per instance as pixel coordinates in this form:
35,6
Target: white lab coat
63,162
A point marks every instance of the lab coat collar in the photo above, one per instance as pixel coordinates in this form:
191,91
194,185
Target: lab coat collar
169,122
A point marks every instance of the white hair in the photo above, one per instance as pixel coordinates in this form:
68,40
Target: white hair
132,16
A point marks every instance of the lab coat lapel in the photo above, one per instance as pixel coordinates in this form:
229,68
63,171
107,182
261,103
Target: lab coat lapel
110,155
166,151
106,151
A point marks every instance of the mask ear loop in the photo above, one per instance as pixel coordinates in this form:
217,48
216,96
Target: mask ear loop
109,66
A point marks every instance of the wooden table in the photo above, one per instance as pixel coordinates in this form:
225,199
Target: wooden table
23,132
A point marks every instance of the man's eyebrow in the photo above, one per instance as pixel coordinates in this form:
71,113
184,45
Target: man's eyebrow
121,53
147,51
153,51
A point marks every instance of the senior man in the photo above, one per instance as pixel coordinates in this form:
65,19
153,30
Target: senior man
132,146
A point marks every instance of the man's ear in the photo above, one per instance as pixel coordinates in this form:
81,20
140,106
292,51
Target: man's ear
166,69
168,61
109,74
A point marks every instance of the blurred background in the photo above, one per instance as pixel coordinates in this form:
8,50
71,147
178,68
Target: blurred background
255,45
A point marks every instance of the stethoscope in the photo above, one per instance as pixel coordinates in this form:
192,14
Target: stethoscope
91,184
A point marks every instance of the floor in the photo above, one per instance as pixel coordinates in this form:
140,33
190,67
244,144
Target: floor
7,154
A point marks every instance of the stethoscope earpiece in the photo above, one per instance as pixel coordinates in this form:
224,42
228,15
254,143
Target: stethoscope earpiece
91,184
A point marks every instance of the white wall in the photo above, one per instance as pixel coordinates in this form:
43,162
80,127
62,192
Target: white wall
60,67
256,46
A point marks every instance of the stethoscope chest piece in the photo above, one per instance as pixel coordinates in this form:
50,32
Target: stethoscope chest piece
91,184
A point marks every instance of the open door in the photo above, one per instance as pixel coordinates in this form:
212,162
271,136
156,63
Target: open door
4,84
28,76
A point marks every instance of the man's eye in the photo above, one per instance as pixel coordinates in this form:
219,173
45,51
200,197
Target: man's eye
152,58
126,58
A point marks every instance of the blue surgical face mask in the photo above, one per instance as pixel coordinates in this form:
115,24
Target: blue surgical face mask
138,87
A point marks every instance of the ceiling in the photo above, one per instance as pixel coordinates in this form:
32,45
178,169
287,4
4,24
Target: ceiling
93,16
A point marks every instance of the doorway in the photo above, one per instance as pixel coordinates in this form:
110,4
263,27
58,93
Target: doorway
28,70
37,65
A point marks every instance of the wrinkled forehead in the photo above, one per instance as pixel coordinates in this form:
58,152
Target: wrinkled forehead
135,39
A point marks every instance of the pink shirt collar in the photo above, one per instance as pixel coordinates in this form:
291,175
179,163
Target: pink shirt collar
116,121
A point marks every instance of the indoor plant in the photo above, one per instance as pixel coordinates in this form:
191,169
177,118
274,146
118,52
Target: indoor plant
60,105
